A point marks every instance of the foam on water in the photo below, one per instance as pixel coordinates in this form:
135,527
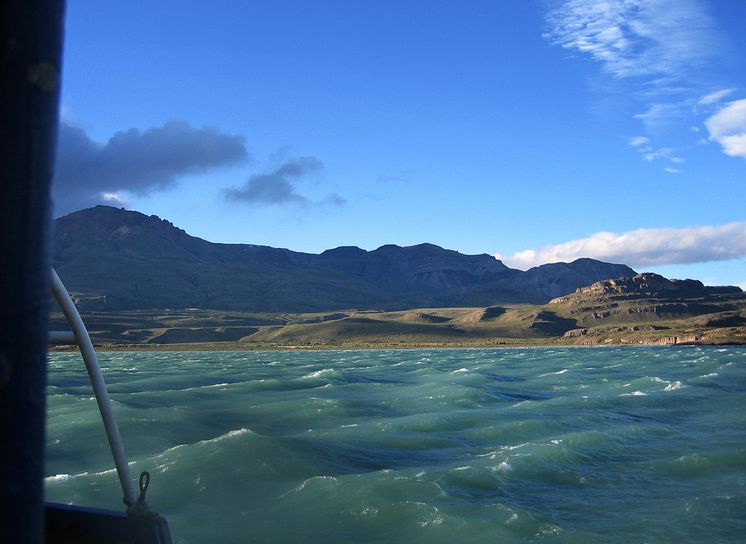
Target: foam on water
59,478
433,446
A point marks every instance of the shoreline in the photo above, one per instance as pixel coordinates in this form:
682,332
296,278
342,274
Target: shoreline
237,346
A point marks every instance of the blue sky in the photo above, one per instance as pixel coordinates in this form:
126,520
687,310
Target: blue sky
536,131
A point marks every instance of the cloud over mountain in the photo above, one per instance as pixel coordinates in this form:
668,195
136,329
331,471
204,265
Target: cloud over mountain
135,161
280,185
644,247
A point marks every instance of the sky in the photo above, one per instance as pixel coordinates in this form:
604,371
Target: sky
535,131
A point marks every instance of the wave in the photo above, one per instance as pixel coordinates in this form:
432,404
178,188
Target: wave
225,436
210,386
674,386
373,446
62,477
86,474
319,374
564,370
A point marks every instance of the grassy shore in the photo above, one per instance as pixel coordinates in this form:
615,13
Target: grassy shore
244,346
635,322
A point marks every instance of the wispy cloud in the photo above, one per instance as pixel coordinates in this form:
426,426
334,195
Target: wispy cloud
135,161
650,154
644,247
334,199
657,49
662,153
635,37
728,128
714,97
661,114
279,186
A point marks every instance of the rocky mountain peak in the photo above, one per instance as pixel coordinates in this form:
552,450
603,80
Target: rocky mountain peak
647,285
130,260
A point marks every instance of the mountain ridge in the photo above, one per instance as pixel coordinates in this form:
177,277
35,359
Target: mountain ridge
117,259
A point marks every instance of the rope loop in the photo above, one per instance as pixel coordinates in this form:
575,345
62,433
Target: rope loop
140,508
144,483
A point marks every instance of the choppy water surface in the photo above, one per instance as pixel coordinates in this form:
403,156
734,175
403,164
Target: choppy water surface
474,445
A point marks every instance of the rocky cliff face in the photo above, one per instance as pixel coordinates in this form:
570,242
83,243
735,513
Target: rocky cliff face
552,280
647,285
420,267
116,259
650,309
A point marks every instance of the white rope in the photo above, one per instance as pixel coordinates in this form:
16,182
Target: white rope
99,387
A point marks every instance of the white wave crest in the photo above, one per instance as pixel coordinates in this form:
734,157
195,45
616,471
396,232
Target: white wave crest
311,480
229,434
197,387
555,373
60,477
224,436
318,374
67,477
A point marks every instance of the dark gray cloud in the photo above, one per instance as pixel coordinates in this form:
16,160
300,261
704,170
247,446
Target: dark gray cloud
136,161
277,187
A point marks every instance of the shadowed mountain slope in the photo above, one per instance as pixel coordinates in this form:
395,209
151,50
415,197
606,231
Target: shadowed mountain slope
114,259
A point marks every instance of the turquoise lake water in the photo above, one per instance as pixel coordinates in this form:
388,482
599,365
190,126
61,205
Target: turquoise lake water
432,446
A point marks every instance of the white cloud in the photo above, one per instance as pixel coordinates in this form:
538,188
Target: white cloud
728,128
114,199
657,50
644,247
714,97
660,113
634,37
637,141
649,153
662,153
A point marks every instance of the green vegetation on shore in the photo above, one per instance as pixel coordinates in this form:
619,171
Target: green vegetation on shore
647,309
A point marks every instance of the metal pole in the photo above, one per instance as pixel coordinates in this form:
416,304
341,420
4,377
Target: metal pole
99,387
62,338
30,65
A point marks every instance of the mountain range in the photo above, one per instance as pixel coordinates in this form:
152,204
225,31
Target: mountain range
114,259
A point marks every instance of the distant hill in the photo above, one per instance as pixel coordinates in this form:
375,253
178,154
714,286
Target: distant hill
644,286
113,259
649,308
